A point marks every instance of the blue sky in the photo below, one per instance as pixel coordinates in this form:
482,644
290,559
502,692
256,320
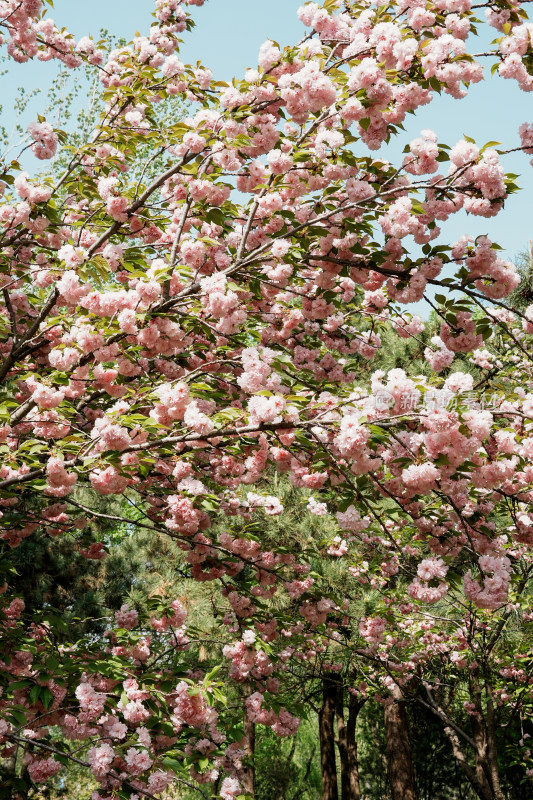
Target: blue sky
227,39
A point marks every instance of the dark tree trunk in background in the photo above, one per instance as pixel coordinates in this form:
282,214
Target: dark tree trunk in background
480,738
484,735
326,719
492,749
347,744
399,757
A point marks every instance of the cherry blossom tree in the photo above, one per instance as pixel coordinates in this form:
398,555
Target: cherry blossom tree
178,331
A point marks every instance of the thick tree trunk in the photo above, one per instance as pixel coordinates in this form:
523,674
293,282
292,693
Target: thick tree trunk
493,751
399,759
484,735
347,745
481,755
248,743
486,761
326,718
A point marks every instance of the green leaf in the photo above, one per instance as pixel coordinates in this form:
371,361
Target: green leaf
210,675
172,764
18,716
34,694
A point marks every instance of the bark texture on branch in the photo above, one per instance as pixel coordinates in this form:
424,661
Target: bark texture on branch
326,720
347,744
400,767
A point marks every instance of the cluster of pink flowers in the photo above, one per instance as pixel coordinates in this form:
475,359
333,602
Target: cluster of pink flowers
462,338
526,137
230,788
493,590
314,613
190,708
91,702
265,409
372,629
45,140
127,617
108,481
59,482
429,569
351,520
270,504
45,396
247,662
174,620
100,759
338,547
33,193
420,478
440,357
282,723
352,438
137,761
41,769
314,507
423,155
256,369
408,327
